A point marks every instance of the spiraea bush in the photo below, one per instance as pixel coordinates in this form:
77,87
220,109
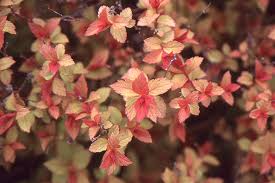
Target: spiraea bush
130,91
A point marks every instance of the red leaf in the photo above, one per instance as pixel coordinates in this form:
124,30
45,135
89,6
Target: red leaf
6,121
81,87
54,112
140,85
48,53
99,25
52,24
38,31
72,127
142,107
141,134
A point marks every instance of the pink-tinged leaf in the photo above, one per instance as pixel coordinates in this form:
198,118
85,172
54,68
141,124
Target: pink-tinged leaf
3,20
141,134
112,159
228,97
96,27
81,87
142,106
48,53
54,111
122,160
140,85
17,146
53,67
72,127
38,31
153,57
183,114
271,35
72,178
101,24
52,24
179,131
261,73
6,121
261,117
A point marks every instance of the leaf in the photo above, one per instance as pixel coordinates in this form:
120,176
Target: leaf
115,115
244,144
56,166
124,88
81,87
9,27
12,135
59,39
166,20
10,103
140,85
142,135
178,81
66,60
119,34
271,35
5,76
21,111
25,123
9,2
173,47
58,87
246,78
99,74
74,108
103,94
124,137
168,176
159,86
54,111
99,145
211,160
214,56
81,158
6,62
66,73
151,44
72,126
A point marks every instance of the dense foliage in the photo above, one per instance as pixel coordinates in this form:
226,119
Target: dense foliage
114,91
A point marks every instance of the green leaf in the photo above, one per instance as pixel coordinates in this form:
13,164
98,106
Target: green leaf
146,124
99,74
74,107
115,115
66,73
215,56
25,123
59,178
65,150
81,158
244,144
10,103
12,135
103,94
56,166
